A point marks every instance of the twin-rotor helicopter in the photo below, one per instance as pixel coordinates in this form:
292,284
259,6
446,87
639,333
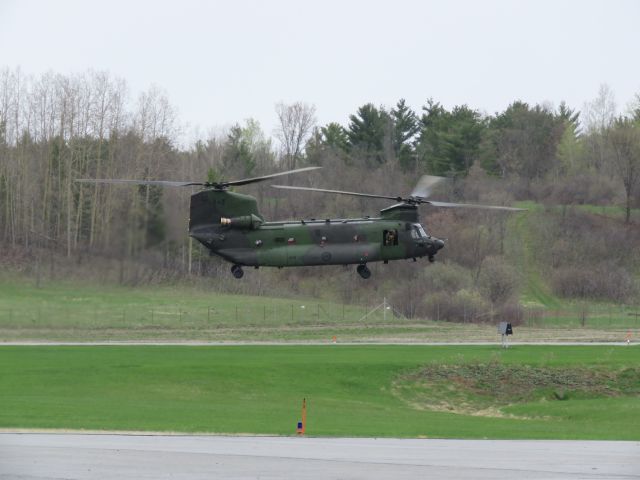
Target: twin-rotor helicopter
229,225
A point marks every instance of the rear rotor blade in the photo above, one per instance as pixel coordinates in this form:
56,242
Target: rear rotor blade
163,183
169,183
339,192
425,186
246,181
473,205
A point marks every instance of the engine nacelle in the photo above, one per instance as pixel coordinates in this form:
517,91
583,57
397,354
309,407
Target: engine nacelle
244,222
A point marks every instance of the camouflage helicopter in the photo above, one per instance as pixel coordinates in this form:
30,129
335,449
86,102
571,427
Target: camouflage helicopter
229,225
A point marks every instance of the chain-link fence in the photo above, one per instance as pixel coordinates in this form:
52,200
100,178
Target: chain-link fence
184,316
253,314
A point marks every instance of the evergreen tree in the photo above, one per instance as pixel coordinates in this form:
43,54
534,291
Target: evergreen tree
405,127
246,148
569,116
523,140
237,152
367,131
449,142
335,136
570,148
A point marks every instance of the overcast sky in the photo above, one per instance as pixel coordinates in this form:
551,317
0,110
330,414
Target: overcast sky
223,61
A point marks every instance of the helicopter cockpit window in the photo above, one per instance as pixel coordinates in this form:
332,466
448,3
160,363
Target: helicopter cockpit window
418,232
390,238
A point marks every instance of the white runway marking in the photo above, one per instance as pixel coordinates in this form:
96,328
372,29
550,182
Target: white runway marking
107,456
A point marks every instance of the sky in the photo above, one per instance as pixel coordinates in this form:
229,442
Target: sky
221,62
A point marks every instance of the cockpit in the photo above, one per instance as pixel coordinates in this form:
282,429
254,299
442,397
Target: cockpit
418,233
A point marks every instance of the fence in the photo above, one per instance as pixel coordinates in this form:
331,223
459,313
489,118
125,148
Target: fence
184,316
284,314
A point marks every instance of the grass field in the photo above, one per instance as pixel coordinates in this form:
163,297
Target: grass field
74,312
574,392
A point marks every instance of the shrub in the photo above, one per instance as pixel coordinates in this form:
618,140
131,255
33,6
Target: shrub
498,280
583,188
603,281
448,277
463,306
511,312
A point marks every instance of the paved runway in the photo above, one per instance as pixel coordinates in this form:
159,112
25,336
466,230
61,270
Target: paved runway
106,456
196,343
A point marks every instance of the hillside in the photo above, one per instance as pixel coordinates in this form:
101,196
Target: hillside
573,256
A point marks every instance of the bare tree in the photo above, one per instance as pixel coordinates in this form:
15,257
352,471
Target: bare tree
599,115
296,124
156,117
624,138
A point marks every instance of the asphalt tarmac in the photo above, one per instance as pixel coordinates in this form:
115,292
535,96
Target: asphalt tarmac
108,456
196,343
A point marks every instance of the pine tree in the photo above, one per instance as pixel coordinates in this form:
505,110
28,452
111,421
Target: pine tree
366,133
405,127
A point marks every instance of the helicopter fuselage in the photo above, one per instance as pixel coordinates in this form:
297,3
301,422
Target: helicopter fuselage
319,242
229,225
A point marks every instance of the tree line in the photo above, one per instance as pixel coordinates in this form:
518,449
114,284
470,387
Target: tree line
530,142
56,128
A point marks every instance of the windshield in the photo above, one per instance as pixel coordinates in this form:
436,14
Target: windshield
418,231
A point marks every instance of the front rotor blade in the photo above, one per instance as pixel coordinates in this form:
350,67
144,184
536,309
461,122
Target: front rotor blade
265,177
425,186
473,205
163,183
339,192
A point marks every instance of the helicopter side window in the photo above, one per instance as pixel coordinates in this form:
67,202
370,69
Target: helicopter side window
390,238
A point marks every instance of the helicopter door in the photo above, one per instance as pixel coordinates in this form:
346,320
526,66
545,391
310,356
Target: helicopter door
390,238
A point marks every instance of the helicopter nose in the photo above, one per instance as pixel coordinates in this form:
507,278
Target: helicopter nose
438,244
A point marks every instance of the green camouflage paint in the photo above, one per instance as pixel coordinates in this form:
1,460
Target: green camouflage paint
246,239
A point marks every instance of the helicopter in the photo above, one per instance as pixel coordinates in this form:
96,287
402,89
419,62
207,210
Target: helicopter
229,225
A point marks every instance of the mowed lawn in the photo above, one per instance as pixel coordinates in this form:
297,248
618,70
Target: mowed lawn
259,389
73,312
69,311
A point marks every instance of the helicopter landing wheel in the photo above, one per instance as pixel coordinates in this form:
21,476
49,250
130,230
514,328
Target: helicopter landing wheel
237,271
364,271
432,258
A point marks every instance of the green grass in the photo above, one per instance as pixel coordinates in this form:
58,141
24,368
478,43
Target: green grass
259,389
72,305
536,292
74,312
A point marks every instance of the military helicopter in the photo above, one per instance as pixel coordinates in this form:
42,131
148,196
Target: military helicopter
229,225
